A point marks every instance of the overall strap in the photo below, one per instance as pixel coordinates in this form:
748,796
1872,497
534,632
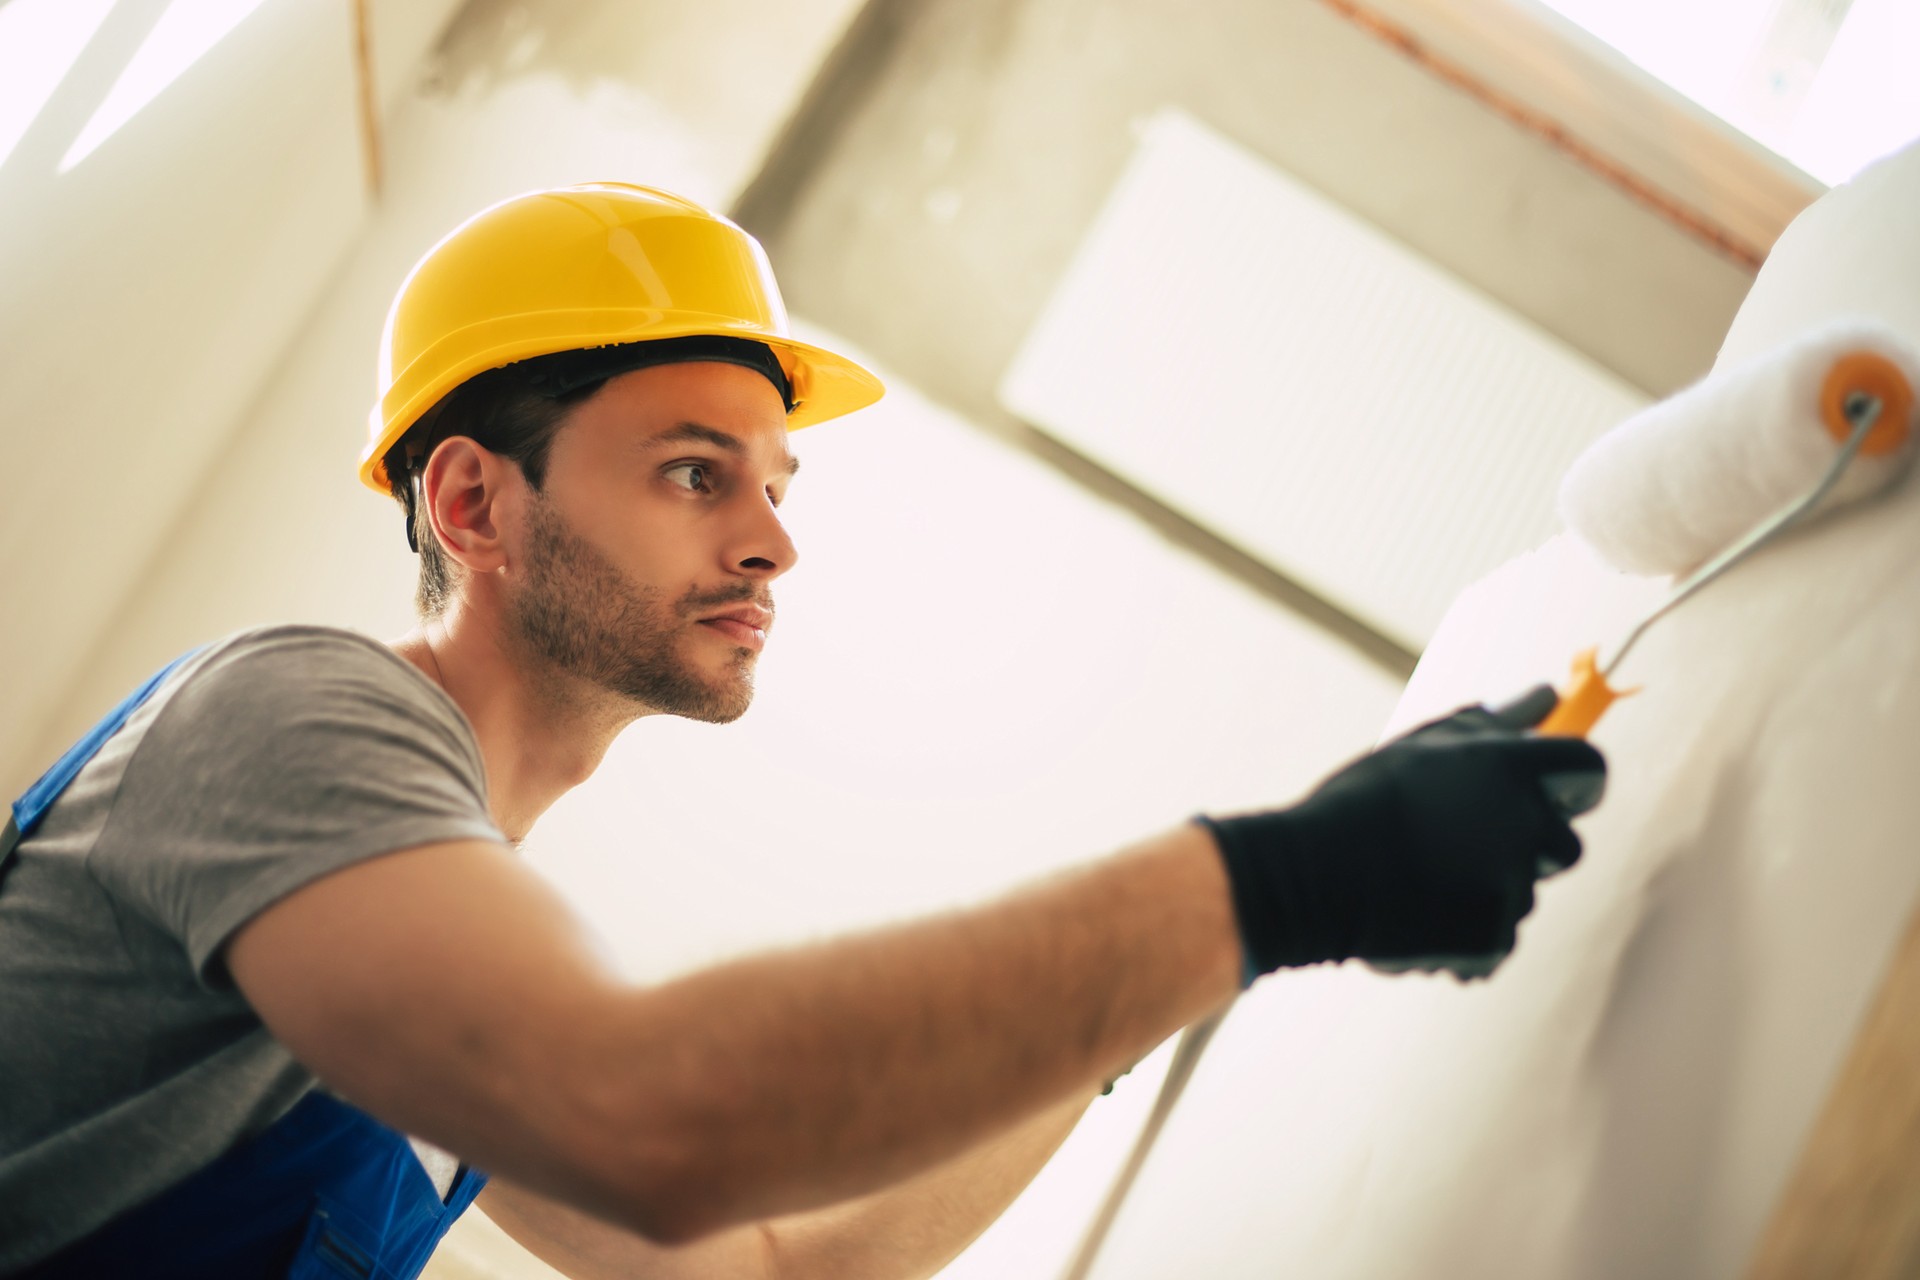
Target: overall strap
327,1191
38,798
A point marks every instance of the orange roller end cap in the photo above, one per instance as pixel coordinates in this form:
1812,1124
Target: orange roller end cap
1874,375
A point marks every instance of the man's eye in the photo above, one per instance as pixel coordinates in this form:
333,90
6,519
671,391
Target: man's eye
690,475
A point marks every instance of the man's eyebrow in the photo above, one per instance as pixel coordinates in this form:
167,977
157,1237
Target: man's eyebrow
700,433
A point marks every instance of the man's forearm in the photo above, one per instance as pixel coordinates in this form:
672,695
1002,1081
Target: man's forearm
786,1082
913,1229
910,1230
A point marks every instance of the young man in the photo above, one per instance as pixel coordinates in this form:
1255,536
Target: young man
288,860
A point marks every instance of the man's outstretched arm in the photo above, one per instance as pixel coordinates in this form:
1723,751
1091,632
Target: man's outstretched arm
449,991
906,1231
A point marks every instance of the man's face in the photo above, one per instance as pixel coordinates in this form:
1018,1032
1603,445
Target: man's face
646,559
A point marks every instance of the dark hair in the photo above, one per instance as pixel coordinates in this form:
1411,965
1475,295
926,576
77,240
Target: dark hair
502,412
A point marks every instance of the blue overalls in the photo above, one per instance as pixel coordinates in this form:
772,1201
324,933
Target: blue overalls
324,1192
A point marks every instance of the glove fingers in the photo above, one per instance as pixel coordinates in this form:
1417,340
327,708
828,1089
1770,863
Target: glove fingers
1573,794
1425,852
1462,725
1520,901
1512,717
1527,710
1496,920
1569,773
1467,968
1472,968
1560,850
1540,756
1553,843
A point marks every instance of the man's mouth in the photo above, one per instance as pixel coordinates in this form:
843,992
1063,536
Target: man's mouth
745,625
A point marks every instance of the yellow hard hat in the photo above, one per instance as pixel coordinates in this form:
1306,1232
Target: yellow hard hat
579,267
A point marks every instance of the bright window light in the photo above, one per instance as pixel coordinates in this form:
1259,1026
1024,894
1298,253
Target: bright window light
39,42
1828,84
184,33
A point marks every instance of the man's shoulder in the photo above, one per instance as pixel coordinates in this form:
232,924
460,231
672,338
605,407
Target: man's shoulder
295,656
303,700
300,642
275,678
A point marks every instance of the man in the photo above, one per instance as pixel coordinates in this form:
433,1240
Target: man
288,859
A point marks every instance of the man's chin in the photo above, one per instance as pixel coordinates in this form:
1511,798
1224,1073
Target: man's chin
719,700
692,686
717,712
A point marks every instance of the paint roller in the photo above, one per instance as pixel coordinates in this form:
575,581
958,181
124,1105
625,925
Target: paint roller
1700,482
1690,486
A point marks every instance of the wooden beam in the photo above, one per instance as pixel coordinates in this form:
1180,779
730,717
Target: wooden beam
1587,101
369,98
1851,1210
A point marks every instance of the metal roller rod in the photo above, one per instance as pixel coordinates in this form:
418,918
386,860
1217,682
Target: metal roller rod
1863,411
1186,1056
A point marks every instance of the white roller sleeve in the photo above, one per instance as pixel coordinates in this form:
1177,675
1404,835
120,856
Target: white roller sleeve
1679,481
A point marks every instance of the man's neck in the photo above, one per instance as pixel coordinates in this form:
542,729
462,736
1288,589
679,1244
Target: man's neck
539,736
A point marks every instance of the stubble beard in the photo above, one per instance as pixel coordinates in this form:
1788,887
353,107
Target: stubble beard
586,619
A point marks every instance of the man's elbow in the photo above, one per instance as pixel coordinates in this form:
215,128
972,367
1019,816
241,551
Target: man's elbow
676,1216
654,1163
678,1202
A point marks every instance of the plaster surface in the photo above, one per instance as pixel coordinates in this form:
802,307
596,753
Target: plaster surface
1626,1097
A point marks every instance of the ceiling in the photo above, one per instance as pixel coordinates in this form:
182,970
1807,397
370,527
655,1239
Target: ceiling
921,171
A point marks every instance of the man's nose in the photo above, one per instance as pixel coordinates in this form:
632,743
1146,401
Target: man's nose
764,550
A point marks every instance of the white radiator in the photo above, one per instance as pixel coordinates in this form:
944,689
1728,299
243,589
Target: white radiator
1306,388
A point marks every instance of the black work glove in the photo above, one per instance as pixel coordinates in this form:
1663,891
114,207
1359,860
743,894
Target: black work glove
1421,855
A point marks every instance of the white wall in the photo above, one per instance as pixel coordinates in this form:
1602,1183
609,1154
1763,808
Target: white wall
147,294
1628,1096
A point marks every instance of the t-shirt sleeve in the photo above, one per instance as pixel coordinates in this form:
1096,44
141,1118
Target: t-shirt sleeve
284,756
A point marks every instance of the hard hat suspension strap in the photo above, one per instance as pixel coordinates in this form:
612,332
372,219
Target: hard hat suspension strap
568,371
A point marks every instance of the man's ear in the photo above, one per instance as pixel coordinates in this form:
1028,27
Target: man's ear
466,488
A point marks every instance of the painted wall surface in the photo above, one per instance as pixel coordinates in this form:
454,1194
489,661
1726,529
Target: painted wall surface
1626,1097
147,293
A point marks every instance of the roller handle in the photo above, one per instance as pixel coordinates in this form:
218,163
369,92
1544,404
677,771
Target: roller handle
1572,714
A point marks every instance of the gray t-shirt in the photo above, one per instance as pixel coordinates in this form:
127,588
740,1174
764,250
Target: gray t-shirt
127,1058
